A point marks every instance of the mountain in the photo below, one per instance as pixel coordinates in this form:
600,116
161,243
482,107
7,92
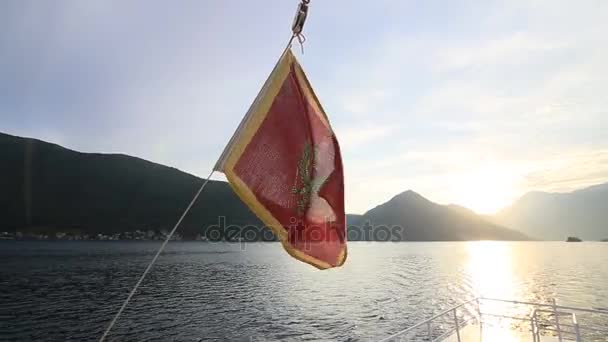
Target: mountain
423,220
46,188
555,216
353,219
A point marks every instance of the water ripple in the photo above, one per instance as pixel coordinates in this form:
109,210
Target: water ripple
53,291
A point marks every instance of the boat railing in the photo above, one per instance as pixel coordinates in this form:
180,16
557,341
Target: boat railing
547,319
544,319
451,314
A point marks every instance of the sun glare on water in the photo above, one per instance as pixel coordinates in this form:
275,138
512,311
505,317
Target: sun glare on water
490,268
492,276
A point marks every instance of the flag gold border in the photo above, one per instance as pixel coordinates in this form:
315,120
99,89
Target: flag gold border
258,112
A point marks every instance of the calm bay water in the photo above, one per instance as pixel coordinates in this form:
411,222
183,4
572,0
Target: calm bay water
63,291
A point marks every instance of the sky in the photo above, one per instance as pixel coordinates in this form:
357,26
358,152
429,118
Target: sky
466,102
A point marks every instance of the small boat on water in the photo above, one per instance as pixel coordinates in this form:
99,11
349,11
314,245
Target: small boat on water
489,319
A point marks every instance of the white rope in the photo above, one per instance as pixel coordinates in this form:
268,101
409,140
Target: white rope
124,305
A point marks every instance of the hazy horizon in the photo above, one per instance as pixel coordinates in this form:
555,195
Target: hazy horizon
221,178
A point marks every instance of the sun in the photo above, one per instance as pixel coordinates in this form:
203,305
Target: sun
486,188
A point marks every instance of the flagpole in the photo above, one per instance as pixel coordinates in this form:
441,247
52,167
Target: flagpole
162,247
296,28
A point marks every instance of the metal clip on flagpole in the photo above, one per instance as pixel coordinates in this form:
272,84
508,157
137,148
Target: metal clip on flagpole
298,24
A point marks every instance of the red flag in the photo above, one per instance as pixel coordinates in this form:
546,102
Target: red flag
284,162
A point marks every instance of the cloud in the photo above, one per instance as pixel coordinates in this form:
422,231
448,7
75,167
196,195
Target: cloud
476,176
352,136
521,107
463,91
568,171
514,49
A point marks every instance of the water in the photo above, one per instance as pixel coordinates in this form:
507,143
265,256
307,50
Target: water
255,292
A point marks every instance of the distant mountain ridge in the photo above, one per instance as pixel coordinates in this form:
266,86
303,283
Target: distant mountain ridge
48,188
555,216
424,220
